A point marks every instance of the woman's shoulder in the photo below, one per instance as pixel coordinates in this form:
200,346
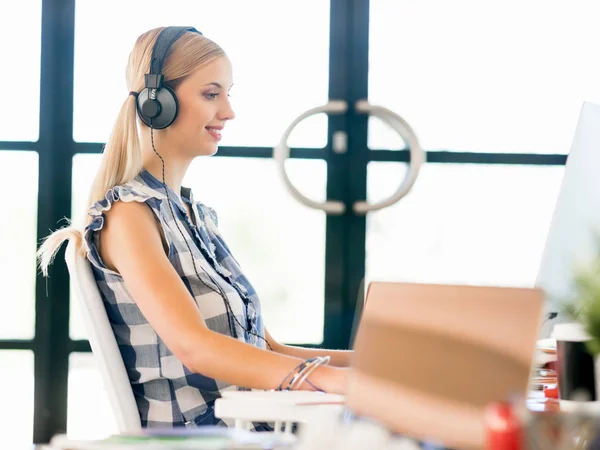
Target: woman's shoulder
132,191
125,206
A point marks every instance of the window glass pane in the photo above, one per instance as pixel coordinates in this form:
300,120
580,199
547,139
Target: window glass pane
471,224
293,74
16,392
18,230
282,253
20,34
279,243
89,415
508,76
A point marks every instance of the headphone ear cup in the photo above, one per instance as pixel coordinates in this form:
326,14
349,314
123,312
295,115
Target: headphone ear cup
159,112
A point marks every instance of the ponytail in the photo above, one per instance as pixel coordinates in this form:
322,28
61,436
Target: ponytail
121,162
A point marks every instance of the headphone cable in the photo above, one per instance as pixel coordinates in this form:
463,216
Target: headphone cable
228,307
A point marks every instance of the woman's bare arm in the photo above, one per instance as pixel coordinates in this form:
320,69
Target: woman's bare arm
130,243
339,358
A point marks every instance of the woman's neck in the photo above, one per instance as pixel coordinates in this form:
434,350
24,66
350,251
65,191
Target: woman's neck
175,165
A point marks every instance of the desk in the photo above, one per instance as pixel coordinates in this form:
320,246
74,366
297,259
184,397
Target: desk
284,408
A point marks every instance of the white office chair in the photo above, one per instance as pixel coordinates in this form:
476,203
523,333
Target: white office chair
103,342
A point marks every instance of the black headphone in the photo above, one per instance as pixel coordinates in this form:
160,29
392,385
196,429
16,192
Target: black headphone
157,103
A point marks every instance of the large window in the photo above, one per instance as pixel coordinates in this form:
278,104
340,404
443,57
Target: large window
493,93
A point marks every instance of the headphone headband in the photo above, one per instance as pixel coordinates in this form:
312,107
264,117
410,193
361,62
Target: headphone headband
164,41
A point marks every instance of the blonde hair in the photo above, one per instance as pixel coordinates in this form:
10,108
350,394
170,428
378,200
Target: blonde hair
122,155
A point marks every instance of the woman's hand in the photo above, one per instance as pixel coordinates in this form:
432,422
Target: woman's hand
333,380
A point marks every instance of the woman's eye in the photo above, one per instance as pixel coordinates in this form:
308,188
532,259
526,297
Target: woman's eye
211,96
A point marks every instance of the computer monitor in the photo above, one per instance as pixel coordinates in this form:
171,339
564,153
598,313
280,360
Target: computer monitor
576,219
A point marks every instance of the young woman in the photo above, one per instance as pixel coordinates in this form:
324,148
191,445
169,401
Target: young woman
187,321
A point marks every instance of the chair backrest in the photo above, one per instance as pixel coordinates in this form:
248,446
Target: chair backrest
102,341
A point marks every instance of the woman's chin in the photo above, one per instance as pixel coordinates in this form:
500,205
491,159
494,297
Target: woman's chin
208,150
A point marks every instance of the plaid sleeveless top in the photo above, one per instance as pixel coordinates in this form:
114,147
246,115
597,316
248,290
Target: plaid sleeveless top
168,393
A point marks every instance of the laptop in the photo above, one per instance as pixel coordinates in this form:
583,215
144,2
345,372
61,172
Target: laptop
429,357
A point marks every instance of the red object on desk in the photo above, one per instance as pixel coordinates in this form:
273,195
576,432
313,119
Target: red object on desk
502,427
551,392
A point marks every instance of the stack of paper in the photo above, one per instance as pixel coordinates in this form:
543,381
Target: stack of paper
204,438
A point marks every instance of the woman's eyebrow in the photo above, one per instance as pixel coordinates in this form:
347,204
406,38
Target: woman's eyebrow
216,84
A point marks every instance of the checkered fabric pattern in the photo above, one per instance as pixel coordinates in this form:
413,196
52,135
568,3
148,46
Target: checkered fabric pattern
167,393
